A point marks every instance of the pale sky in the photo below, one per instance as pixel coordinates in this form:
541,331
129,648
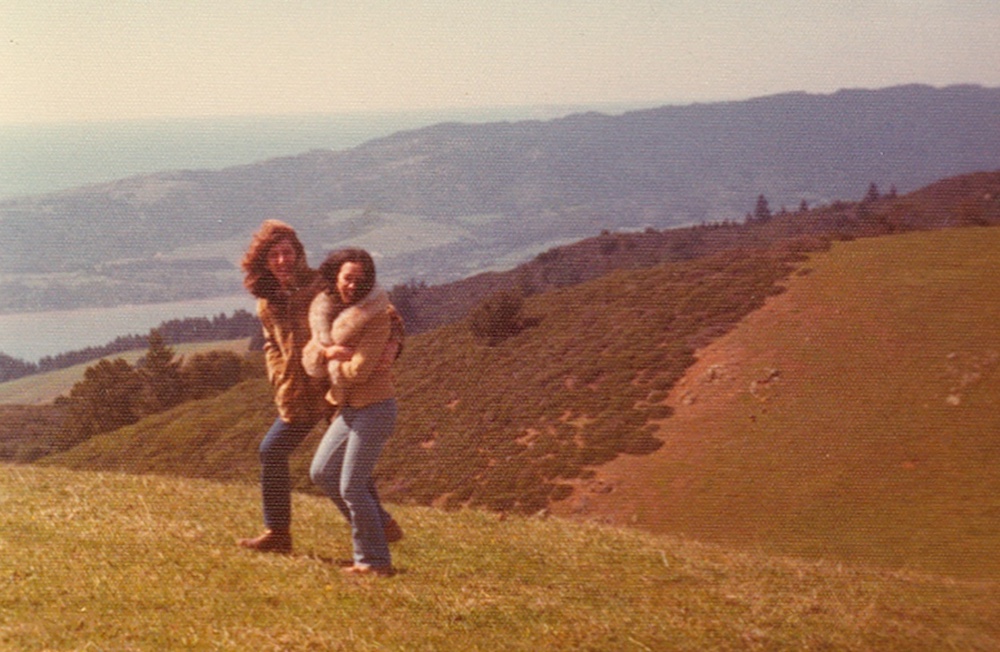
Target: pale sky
102,60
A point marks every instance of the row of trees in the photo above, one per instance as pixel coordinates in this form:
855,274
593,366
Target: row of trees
762,210
175,331
114,393
11,368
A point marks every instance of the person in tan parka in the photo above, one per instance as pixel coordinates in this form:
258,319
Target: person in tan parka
277,273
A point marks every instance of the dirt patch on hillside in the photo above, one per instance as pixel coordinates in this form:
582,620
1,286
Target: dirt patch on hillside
726,378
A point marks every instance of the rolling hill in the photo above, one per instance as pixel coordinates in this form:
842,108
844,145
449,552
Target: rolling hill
862,428
451,200
854,416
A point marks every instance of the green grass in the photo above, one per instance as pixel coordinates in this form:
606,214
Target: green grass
127,562
46,387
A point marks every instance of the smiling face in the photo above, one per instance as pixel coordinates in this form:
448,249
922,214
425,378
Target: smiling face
349,279
282,261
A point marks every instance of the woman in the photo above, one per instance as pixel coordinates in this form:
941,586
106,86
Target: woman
354,350
277,274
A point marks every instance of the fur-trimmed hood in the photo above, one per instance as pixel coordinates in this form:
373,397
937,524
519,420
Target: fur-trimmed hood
332,323
369,327
352,318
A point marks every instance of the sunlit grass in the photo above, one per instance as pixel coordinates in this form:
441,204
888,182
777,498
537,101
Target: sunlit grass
125,562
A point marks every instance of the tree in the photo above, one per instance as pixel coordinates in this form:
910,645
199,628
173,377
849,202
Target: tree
108,397
872,195
205,374
11,368
762,211
160,374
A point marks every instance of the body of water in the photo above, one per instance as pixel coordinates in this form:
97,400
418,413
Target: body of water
32,336
42,158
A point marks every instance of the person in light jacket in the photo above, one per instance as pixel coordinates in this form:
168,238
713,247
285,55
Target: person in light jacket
276,272
353,351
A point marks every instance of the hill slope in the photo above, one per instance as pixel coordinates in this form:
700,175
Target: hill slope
826,424
104,561
498,426
451,200
855,416
515,425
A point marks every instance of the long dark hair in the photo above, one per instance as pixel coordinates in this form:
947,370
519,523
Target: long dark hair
330,269
257,278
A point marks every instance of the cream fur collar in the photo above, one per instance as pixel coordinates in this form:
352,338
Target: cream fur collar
353,317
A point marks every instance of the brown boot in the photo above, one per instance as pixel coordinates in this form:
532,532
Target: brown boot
393,532
270,541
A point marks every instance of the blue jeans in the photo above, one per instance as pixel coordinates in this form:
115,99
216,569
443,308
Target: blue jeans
275,479
343,468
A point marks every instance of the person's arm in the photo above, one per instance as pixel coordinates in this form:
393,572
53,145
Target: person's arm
322,312
273,360
338,352
368,354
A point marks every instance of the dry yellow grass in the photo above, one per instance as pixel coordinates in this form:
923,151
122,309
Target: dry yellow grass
101,561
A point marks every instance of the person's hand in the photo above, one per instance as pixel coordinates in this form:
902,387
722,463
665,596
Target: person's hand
338,352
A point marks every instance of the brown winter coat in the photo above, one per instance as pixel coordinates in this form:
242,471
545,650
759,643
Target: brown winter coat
369,327
298,396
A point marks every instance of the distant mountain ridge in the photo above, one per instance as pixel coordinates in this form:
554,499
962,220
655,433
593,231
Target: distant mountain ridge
450,200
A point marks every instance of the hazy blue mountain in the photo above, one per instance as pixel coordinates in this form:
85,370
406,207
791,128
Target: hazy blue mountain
453,199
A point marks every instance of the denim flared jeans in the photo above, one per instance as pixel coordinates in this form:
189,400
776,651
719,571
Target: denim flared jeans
343,468
275,479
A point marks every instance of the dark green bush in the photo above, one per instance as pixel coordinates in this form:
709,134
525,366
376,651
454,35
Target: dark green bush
498,317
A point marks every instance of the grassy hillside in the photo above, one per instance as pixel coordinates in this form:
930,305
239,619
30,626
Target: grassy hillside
497,426
124,562
828,427
581,384
854,417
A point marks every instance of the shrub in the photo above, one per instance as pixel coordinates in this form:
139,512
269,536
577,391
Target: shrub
498,317
206,374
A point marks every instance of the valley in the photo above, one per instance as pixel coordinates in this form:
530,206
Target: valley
443,202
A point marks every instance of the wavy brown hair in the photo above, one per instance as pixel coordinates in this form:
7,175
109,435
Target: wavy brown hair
257,278
330,269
